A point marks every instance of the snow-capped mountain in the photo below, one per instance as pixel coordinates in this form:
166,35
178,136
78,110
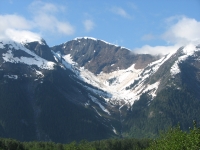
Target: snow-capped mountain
126,77
108,67
129,75
87,88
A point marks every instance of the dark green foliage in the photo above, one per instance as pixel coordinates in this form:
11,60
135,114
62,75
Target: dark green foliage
177,139
172,105
110,144
10,144
121,144
16,114
173,139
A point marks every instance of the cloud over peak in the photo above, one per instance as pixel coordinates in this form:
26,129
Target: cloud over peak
180,32
156,50
14,21
185,30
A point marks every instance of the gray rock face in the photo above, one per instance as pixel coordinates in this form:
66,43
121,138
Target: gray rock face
41,50
98,56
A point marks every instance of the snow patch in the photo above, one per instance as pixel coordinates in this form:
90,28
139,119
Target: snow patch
95,100
175,69
114,130
188,51
91,38
40,62
156,64
96,111
39,73
152,88
11,76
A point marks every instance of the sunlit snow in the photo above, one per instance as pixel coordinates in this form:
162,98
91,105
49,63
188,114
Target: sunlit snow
96,111
188,51
41,63
11,76
95,100
114,130
34,60
114,84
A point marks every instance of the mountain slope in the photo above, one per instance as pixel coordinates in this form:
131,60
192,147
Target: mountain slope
177,98
171,78
90,89
42,100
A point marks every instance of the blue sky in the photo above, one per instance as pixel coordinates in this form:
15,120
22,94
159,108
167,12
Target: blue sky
147,26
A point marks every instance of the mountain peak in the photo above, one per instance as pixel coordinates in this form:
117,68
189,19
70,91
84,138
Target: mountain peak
95,39
99,56
91,38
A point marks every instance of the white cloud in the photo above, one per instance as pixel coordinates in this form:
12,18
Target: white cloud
11,23
120,11
46,18
49,23
43,19
185,30
180,32
14,21
22,35
89,25
156,50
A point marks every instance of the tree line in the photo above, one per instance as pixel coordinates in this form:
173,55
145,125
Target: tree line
173,139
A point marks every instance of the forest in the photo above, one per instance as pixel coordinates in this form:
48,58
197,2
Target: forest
172,139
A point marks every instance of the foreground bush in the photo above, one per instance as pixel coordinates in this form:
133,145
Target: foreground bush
176,139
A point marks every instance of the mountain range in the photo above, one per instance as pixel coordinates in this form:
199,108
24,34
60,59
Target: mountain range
90,89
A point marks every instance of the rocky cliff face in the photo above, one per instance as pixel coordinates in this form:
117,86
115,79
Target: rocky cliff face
99,56
41,49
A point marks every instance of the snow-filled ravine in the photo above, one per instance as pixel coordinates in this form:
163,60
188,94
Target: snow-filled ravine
115,84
